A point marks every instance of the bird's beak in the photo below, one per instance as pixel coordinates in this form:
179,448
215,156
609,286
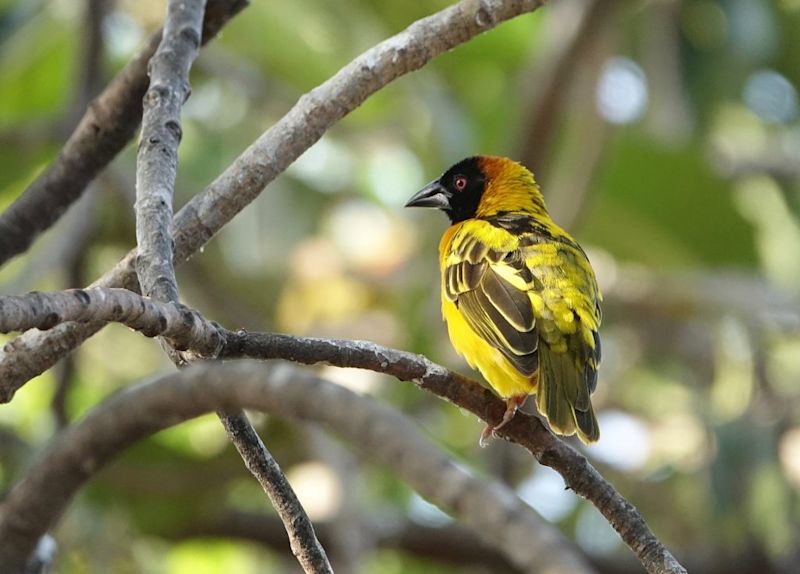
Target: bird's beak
432,195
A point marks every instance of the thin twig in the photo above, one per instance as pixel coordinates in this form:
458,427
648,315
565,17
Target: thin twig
275,150
107,126
260,462
64,373
91,58
491,510
525,430
630,292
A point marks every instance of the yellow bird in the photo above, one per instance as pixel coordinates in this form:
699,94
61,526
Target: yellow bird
519,295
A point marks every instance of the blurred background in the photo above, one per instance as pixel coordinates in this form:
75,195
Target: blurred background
665,136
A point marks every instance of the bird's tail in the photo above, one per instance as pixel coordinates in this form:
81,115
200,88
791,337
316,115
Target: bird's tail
563,394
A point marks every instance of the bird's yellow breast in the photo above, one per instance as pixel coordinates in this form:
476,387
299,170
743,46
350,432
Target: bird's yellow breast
495,368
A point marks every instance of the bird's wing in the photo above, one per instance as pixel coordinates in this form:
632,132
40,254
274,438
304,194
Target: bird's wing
566,299
567,310
489,285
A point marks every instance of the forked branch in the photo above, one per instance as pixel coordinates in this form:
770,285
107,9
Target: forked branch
526,430
273,152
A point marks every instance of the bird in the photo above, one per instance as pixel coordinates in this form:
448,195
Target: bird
518,294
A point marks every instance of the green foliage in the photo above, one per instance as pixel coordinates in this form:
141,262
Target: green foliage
696,190
672,197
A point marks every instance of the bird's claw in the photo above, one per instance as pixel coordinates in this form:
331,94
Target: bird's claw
486,436
512,404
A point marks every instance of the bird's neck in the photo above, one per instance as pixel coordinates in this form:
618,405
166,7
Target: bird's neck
515,195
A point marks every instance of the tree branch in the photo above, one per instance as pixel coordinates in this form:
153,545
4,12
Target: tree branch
494,512
157,160
276,149
302,539
315,112
185,328
156,169
525,430
91,57
107,126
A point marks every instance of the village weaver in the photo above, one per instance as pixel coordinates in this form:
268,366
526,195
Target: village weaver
518,293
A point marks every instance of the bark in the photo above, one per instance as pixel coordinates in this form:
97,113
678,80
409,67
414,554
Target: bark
157,160
156,169
302,538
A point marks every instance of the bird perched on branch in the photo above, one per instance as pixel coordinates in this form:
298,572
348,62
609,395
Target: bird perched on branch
518,293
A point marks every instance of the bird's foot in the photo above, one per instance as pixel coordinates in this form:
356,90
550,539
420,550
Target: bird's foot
512,404
486,436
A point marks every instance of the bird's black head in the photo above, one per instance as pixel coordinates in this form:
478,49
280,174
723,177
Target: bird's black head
457,192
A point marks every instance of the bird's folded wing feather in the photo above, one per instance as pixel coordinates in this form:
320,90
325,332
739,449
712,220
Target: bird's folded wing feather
567,301
490,288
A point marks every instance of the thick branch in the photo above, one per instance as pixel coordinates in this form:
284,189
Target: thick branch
184,327
276,149
157,161
34,504
107,126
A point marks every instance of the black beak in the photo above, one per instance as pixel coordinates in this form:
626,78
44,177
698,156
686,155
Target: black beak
432,195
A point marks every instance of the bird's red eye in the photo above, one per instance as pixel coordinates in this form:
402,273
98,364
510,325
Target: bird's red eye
460,183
